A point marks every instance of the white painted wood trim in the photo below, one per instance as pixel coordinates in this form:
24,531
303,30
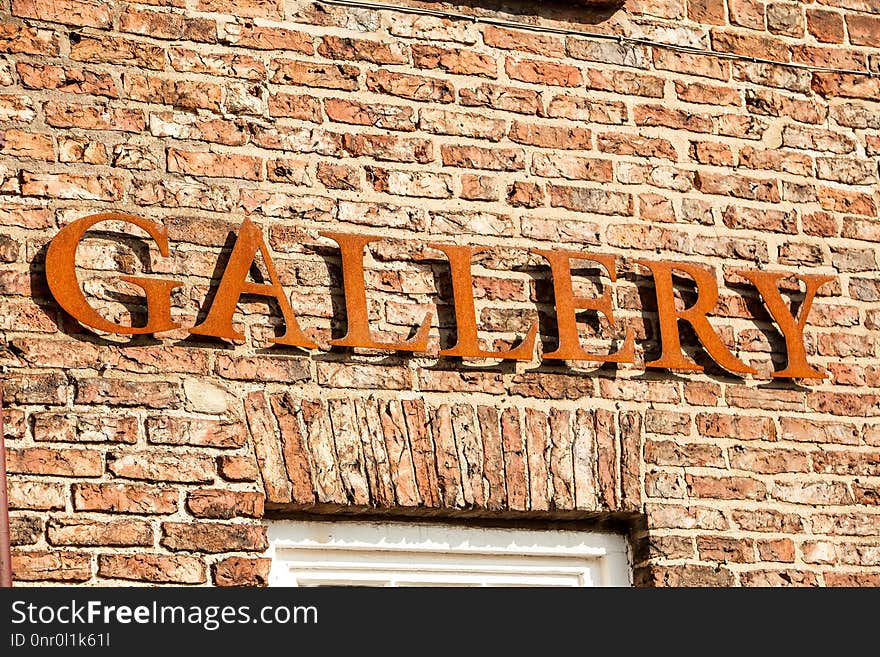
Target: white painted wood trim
360,553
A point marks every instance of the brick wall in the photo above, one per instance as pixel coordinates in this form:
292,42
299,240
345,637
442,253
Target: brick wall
155,459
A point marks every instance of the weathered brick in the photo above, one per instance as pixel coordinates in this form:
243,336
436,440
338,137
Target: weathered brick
69,12
309,74
159,466
35,495
241,571
237,468
117,50
91,533
155,568
449,60
392,117
531,42
223,504
214,165
53,566
475,157
28,40
346,117
509,99
213,537
124,498
57,462
413,87
248,8
262,37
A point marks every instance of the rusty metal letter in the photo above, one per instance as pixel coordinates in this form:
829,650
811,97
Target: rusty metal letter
61,276
567,304
351,248
792,330
234,283
671,356
468,345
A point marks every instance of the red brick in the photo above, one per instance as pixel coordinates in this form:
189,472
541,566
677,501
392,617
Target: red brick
626,144
539,72
198,432
765,578
725,550
244,8
93,117
413,87
826,26
162,466
302,107
309,74
166,25
726,488
53,566
237,468
69,12
706,11
550,136
657,115
586,199
768,461
863,30
781,550
67,80
475,157
389,148
35,495
846,85
749,45
768,521
27,40
21,144
214,165
155,568
262,37
240,571
508,99
685,575
625,82
223,504
584,109
213,537
183,94
91,533
458,62
124,498
57,462
377,52
532,42
392,117
708,67
117,50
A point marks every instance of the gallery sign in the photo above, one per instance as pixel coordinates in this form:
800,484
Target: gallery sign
218,322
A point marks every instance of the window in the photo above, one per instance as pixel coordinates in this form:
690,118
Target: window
326,553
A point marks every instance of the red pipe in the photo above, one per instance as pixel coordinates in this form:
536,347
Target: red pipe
5,537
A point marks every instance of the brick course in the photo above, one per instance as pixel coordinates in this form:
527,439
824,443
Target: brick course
154,461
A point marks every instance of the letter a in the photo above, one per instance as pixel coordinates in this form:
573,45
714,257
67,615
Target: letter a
234,283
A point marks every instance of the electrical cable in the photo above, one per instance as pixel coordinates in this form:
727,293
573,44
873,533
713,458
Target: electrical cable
496,22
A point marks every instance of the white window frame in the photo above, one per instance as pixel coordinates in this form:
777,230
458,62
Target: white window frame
369,553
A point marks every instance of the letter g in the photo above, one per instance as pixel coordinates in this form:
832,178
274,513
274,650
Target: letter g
61,276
